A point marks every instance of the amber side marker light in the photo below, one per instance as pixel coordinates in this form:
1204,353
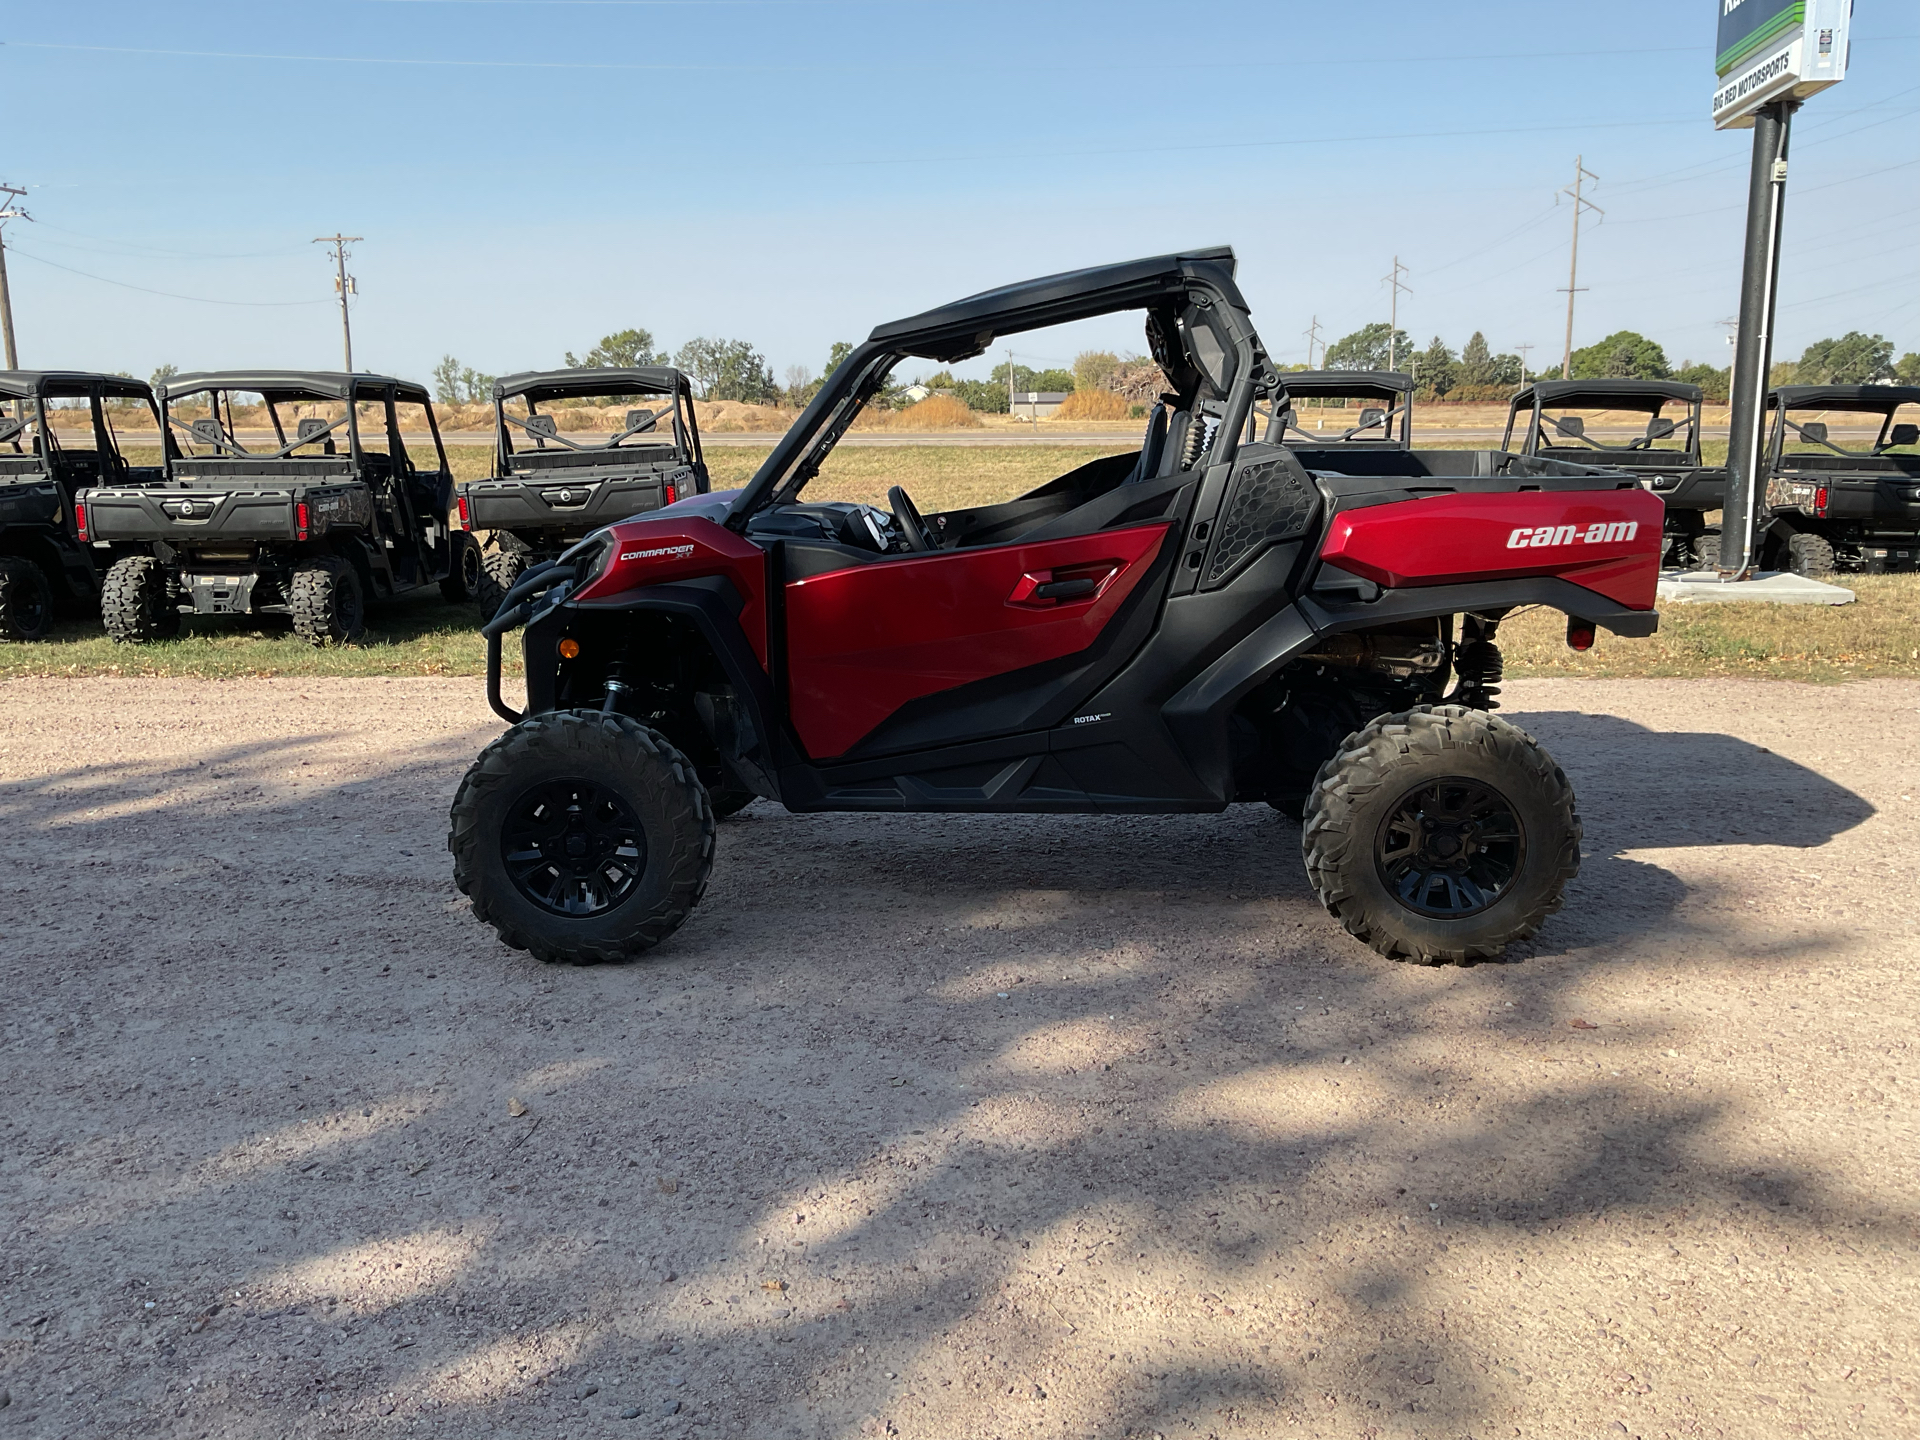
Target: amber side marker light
1580,634
570,647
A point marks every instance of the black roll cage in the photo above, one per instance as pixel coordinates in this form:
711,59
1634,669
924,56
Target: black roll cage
686,422
1184,297
359,392
1650,401
95,389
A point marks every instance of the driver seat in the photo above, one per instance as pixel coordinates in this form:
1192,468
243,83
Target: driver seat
1151,447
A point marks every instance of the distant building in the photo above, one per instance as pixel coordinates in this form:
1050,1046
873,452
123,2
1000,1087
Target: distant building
914,394
1038,404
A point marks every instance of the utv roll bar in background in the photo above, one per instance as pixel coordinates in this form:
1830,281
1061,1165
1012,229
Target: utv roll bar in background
1647,395
1393,390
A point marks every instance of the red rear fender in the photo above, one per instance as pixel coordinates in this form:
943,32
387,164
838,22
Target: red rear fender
661,551
1605,540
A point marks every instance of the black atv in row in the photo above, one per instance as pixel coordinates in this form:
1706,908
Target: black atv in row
46,566
1665,453
1852,506
552,487
1214,618
316,510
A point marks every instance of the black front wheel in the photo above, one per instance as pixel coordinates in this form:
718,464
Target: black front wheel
1441,834
581,837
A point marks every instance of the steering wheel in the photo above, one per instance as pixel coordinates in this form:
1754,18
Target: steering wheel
919,538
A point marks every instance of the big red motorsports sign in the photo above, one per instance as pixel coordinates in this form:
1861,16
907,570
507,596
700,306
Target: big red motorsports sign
1770,49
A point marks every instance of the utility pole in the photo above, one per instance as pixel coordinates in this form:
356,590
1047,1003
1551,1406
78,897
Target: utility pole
344,283
1523,349
1580,202
9,210
1312,332
1393,321
1010,385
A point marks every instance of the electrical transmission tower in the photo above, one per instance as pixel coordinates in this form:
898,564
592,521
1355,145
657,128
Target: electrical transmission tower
1393,320
1580,204
344,284
1312,332
10,196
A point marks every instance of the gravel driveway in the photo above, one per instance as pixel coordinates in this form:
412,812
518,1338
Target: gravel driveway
950,1127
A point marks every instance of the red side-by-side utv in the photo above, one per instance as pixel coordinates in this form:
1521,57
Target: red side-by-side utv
1213,619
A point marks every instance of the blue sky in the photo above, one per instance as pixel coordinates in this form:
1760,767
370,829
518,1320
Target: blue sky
530,174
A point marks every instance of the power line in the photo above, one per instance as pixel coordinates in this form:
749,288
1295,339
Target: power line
165,294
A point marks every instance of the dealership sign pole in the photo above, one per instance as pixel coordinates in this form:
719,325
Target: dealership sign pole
1770,55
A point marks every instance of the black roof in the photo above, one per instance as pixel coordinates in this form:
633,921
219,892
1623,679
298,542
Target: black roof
592,380
1876,397
66,384
1612,392
278,385
1379,384
964,328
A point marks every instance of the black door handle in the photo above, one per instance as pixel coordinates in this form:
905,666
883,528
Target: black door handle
1065,589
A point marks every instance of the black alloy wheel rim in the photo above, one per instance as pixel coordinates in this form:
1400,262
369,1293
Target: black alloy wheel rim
1450,848
32,609
470,564
574,848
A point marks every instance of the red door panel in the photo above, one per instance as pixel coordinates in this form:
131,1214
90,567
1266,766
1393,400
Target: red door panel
863,642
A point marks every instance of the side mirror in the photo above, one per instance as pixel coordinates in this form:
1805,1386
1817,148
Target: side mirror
308,428
208,432
639,420
10,426
1815,430
1371,416
1659,428
1573,425
1901,435
542,425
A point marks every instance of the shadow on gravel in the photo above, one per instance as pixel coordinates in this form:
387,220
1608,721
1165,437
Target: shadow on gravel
924,1126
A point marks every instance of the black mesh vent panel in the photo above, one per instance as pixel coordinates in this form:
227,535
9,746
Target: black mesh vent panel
1269,501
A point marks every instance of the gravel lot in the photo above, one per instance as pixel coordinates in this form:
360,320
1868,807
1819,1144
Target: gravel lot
950,1127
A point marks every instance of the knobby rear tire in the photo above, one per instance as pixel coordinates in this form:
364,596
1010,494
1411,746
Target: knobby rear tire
139,602
1375,770
637,763
498,574
327,602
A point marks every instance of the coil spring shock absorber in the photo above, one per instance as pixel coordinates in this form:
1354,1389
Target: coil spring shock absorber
1477,663
1194,443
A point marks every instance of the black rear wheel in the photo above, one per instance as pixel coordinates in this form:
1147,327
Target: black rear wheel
1441,834
1811,556
139,601
26,600
582,836
327,603
498,574
463,578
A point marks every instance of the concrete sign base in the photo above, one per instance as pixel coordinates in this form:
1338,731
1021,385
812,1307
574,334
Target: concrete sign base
1767,587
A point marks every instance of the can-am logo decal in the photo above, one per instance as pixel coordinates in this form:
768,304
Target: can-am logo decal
1601,532
678,552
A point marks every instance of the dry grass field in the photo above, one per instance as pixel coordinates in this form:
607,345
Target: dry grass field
1877,637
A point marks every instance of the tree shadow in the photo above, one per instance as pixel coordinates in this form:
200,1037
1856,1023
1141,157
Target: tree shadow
925,1125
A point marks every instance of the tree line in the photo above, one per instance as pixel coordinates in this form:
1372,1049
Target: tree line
1475,373
722,369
